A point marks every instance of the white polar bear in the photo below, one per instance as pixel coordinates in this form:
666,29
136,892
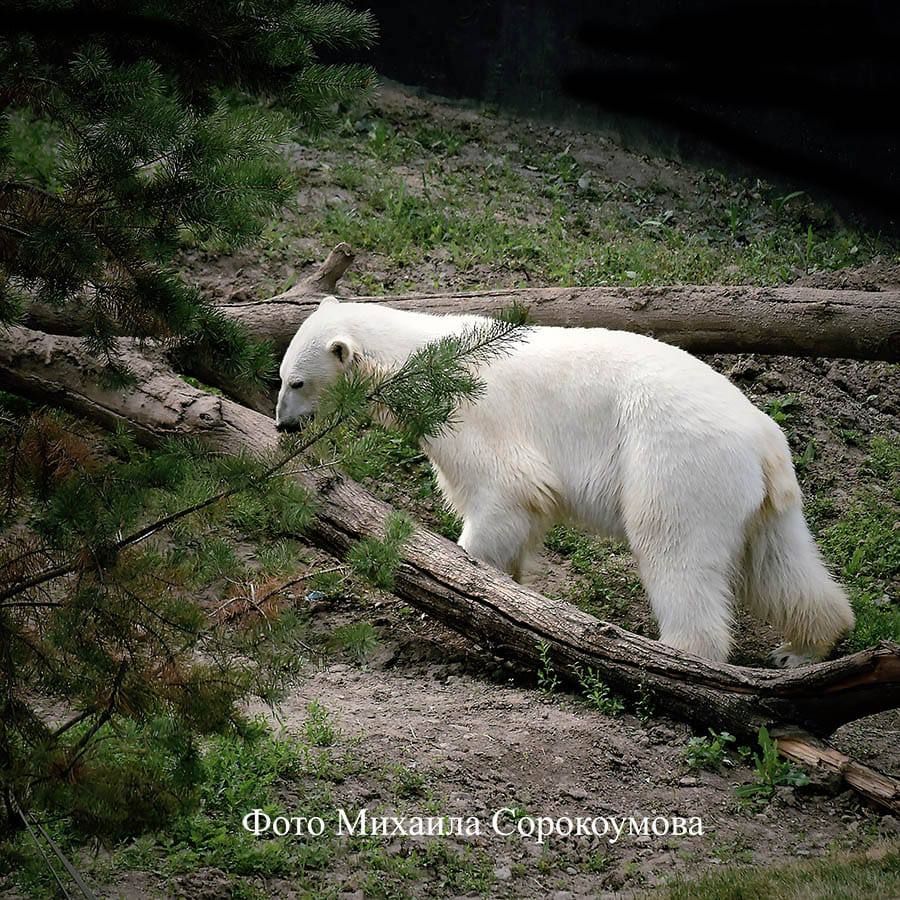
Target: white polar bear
621,435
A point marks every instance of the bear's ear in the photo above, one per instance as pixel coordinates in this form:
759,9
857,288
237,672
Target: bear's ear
328,300
344,349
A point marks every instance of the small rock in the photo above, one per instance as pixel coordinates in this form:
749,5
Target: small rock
786,795
746,369
503,873
772,380
571,870
837,377
241,295
688,781
661,735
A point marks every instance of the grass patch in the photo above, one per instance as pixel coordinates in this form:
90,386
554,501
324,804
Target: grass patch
535,215
863,546
451,870
708,752
874,874
598,694
238,776
771,772
607,582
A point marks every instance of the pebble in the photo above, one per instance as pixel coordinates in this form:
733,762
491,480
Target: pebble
786,795
688,781
744,368
576,793
661,735
772,380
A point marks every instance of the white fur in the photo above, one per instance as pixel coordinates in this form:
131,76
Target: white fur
623,436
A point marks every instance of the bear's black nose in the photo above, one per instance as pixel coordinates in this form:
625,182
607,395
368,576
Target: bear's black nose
295,425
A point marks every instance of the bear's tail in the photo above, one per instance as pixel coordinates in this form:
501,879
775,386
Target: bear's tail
785,580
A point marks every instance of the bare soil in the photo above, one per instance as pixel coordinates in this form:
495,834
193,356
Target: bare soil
484,738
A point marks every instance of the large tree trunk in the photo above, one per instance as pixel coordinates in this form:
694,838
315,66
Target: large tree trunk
794,321
475,599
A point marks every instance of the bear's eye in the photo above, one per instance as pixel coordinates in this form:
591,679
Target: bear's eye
296,385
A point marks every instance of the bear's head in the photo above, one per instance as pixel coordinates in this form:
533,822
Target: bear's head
319,353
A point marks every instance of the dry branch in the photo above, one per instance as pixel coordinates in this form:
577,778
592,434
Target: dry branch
815,754
437,577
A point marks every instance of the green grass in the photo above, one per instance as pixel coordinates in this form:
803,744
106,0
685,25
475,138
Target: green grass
450,870
239,776
873,875
490,224
708,752
606,582
598,694
770,772
862,544
319,728
542,216
293,775
547,679
408,784
504,211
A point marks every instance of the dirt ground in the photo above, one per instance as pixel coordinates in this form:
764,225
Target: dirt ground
478,731
483,740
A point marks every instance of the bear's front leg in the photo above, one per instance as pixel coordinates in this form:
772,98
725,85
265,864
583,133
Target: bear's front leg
502,537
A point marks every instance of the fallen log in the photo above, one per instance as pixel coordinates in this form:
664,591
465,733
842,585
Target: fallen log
793,321
437,577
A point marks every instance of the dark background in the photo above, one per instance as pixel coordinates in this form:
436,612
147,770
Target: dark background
805,92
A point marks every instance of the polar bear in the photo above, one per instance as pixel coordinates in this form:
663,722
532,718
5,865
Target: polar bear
618,434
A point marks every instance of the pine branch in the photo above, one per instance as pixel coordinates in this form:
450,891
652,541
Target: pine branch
478,344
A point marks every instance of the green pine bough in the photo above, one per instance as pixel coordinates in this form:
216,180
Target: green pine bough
128,129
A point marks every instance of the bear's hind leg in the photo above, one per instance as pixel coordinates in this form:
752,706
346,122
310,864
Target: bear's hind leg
692,600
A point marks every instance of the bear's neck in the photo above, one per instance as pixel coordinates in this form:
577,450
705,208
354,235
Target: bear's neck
388,337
